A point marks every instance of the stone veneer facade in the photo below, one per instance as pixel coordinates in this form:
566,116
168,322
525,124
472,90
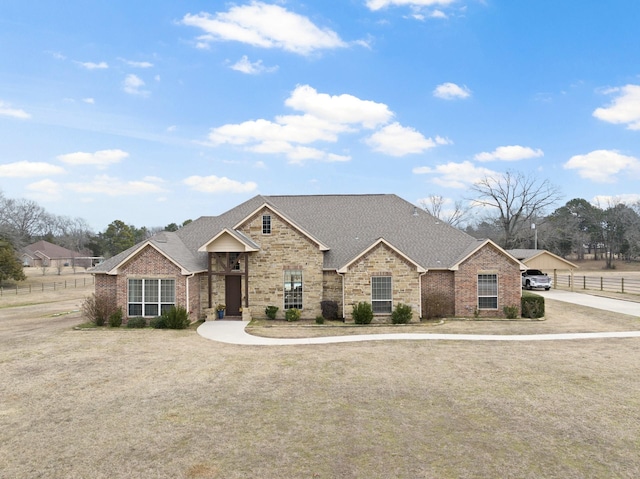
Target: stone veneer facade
382,261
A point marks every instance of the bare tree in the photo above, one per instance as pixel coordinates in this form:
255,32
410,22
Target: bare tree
436,205
517,198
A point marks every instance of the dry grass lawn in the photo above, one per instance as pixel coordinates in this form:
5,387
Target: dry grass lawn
169,404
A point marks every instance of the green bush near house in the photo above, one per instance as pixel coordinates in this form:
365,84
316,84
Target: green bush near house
271,311
292,314
158,323
115,319
176,317
137,322
362,313
401,314
319,320
511,312
532,305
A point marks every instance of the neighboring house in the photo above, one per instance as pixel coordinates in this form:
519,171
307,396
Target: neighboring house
296,251
544,261
45,254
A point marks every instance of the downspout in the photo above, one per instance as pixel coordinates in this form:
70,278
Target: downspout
420,307
187,299
344,306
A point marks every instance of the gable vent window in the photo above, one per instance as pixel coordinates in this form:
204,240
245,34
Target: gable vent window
266,224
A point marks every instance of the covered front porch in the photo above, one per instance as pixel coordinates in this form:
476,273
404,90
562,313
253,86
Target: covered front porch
228,275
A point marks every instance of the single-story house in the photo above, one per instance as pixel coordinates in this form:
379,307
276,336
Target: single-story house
297,251
545,261
45,254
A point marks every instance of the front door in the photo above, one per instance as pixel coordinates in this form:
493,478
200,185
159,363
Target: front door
233,294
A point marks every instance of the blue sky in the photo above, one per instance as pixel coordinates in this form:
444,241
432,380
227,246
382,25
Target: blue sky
157,112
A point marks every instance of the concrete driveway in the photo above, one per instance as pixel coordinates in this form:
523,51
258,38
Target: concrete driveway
608,304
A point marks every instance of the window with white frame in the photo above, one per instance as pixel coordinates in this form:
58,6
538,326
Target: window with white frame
150,296
487,291
293,289
266,224
381,294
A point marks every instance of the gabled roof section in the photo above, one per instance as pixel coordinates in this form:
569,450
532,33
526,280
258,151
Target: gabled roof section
167,244
284,217
244,243
44,249
345,268
473,248
541,259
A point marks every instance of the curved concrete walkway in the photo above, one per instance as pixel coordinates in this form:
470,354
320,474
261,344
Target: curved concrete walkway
232,332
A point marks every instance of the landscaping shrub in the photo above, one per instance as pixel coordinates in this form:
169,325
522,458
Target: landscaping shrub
115,319
511,312
319,319
97,309
292,314
176,317
271,311
401,314
137,322
158,323
532,305
362,313
329,309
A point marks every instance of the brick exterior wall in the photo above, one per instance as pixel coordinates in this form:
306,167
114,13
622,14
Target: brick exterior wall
438,293
148,263
382,261
488,260
332,289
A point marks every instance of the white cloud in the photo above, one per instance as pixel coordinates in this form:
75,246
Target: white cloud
45,190
398,140
111,186
215,184
627,199
6,110
133,84
509,153
339,108
602,166
266,26
101,158
29,169
90,101
324,118
245,66
455,175
624,109
94,66
135,64
451,91
380,4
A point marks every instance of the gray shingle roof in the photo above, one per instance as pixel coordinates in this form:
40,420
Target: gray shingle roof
347,224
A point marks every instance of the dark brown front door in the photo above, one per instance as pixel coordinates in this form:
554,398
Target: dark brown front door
233,295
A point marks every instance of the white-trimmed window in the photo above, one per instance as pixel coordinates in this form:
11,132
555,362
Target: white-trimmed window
292,289
150,296
487,291
381,294
266,224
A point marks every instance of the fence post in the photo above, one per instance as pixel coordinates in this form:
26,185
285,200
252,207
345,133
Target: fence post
584,282
622,281
601,283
